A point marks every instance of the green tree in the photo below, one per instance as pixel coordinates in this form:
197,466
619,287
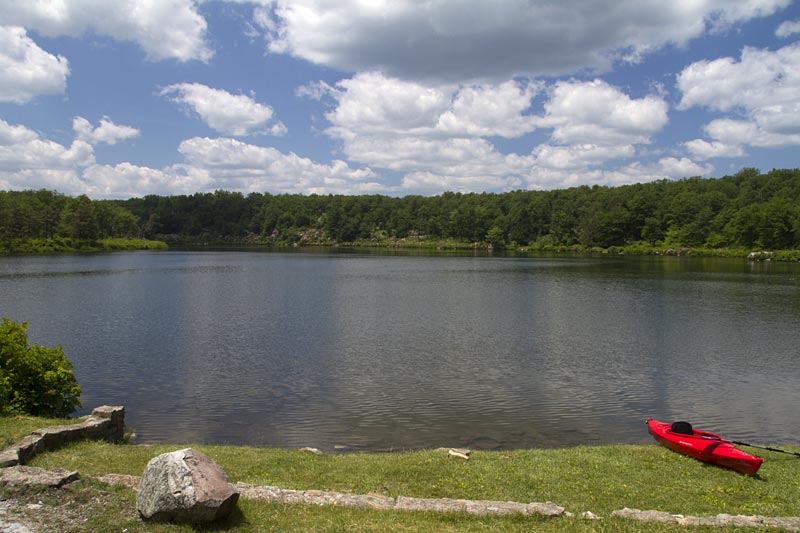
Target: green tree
78,219
496,236
34,379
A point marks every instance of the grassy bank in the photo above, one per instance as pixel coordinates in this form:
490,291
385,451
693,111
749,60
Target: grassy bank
67,245
598,479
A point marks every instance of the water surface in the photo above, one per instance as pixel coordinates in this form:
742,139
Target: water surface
365,351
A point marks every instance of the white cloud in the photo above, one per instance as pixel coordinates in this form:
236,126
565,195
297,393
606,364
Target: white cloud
27,71
440,137
579,155
11,135
165,29
429,182
373,103
762,90
29,162
595,124
457,40
491,110
597,113
788,28
21,148
235,165
664,168
702,150
230,114
760,79
126,180
106,132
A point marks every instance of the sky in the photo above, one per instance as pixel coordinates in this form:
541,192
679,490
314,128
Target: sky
125,98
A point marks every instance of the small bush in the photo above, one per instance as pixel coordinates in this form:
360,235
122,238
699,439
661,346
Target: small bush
34,379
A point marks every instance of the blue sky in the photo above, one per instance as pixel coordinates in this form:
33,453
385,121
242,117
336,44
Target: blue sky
397,97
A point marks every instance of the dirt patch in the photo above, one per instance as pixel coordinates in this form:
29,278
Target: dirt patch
73,507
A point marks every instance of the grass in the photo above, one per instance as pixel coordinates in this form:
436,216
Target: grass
14,427
112,509
598,479
57,245
131,244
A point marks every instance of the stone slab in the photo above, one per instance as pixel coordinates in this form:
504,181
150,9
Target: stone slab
33,476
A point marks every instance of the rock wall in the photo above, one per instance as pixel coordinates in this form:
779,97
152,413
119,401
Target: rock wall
105,423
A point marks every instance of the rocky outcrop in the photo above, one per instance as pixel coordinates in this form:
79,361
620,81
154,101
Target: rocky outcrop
105,423
33,476
379,501
185,486
402,503
720,520
478,507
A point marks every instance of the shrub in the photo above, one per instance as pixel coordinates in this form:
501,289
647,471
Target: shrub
34,379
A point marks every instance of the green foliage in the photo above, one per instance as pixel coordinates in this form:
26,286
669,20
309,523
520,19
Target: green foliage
34,379
46,221
746,210
131,244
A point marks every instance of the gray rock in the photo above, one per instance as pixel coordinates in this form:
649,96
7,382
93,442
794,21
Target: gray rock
31,475
13,527
106,423
477,507
185,486
661,517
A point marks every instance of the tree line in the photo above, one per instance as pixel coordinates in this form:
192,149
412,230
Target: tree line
748,209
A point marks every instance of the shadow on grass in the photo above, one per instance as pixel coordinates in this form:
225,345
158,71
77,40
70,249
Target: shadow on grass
234,520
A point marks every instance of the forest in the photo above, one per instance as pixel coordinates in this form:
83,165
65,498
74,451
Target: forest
749,209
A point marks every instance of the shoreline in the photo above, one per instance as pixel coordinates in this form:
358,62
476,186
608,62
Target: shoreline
60,246
588,482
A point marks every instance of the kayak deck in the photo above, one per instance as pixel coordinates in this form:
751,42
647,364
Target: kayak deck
704,446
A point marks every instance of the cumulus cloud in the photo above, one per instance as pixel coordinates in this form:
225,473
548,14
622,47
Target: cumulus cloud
372,103
456,40
432,134
702,149
126,180
22,148
106,132
29,162
236,165
27,71
498,110
636,172
165,29
762,90
598,113
230,114
788,28
441,137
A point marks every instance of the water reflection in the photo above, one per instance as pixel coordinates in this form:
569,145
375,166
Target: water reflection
395,352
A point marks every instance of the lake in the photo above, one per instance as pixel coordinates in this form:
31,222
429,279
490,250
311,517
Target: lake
380,351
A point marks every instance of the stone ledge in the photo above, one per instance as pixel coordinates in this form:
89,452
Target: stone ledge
402,503
33,476
105,423
480,507
790,523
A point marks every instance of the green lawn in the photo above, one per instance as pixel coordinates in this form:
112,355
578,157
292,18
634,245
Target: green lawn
598,479
14,427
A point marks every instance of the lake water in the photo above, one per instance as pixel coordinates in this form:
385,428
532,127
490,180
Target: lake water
374,351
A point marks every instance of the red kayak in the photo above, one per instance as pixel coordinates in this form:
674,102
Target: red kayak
704,446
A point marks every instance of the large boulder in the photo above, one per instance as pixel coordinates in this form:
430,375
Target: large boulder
185,486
